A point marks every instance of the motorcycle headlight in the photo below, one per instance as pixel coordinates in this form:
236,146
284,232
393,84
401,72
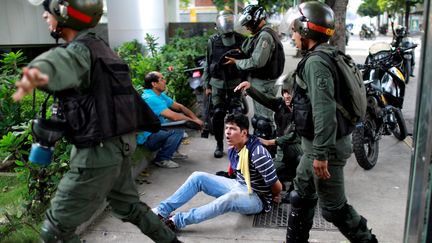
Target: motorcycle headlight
407,56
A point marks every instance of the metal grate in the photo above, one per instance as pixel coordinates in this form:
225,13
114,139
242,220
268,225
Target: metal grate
278,217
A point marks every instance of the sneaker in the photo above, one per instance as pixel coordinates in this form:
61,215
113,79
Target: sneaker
170,223
179,156
167,164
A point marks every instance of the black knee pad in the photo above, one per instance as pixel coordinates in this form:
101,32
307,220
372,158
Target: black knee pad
219,113
298,202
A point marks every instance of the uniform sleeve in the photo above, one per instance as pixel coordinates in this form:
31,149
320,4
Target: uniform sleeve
66,67
320,84
265,100
260,55
263,162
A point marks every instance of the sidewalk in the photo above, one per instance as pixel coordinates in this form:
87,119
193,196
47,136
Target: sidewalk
379,195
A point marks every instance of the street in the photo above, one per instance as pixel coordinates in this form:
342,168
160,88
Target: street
380,195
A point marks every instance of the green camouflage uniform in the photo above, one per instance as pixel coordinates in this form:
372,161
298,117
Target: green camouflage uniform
96,173
260,56
319,83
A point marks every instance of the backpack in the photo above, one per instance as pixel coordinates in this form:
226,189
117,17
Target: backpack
350,95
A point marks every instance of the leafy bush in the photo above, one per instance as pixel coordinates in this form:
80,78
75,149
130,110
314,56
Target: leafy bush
171,60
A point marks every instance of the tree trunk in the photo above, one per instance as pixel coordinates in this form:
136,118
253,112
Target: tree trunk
339,10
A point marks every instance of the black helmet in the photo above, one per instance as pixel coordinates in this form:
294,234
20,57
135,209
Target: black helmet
225,22
315,21
251,16
75,14
400,31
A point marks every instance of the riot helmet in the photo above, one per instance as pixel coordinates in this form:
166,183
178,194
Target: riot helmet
225,22
400,31
251,16
74,14
313,20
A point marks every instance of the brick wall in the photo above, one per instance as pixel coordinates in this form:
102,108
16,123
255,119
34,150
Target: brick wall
202,3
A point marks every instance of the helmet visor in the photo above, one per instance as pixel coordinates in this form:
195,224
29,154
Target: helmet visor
35,2
288,25
225,23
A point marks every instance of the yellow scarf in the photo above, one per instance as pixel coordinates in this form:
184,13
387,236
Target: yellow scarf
243,166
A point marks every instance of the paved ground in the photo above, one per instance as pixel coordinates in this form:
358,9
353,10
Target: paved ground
380,194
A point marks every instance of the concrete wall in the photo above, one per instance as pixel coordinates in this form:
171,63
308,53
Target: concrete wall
133,19
21,24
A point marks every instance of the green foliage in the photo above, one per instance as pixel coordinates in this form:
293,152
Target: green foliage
171,60
11,62
369,8
392,6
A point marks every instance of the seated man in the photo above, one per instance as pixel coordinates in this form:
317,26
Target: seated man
168,141
289,149
251,192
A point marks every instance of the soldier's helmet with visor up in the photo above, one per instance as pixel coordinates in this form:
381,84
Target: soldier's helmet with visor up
313,20
75,14
251,16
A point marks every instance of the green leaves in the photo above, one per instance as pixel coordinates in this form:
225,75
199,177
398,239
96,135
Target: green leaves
11,62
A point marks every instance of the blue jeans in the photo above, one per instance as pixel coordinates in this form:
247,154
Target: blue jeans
230,195
167,141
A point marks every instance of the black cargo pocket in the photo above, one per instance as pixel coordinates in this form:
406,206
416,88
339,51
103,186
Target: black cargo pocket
122,91
75,115
303,120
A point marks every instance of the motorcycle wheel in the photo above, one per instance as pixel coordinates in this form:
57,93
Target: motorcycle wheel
365,146
400,130
372,36
362,35
407,70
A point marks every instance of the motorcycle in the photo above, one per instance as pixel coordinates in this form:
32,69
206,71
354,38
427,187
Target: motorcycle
204,101
367,32
385,89
401,39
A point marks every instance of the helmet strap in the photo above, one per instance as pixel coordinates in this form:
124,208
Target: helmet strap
56,34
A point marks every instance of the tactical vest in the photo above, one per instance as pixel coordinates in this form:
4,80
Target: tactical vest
217,69
111,106
275,65
302,109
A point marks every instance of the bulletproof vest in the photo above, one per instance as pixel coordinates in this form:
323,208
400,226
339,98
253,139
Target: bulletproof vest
302,112
274,67
302,108
110,107
217,69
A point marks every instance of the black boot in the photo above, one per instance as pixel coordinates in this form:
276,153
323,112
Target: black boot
300,219
218,153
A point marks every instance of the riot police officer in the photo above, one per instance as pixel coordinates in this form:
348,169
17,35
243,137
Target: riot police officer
326,147
220,80
97,96
264,62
